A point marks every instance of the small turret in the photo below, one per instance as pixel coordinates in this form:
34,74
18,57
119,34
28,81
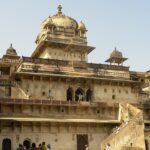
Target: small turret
11,53
116,57
82,29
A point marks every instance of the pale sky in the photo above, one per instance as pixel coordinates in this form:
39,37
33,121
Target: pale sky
124,24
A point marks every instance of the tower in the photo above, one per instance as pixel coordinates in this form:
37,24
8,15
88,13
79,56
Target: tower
62,38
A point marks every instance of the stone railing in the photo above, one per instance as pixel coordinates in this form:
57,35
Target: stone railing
108,67
54,67
57,102
77,64
128,134
9,60
46,61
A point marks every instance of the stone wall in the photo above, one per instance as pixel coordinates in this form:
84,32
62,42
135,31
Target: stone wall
56,53
62,140
40,89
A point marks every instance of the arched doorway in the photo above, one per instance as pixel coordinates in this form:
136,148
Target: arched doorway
6,145
69,94
79,95
146,144
82,140
27,143
88,95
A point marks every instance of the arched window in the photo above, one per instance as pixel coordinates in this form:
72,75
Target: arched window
6,145
113,96
69,94
88,95
79,95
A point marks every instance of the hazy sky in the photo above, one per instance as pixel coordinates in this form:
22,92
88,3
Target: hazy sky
124,24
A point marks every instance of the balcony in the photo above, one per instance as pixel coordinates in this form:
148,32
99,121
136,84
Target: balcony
57,102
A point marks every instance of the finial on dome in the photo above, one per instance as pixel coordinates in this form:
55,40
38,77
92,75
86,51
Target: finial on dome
59,9
115,48
11,45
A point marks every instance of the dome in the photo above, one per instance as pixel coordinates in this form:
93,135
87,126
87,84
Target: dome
60,20
64,21
116,54
63,29
82,26
11,51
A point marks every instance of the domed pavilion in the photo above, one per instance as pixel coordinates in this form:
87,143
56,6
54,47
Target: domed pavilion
62,32
116,57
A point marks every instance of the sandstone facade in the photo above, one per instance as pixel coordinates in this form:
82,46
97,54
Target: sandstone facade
58,97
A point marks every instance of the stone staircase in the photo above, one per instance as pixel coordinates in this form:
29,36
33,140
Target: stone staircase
130,134
24,94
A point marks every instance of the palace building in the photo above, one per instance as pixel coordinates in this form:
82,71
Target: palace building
56,96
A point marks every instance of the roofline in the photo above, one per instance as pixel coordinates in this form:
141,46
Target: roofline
76,76
39,46
119,59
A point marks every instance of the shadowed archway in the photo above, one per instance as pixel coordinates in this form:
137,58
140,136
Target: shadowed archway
27,143
6,145
146,144
69,94
88,95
